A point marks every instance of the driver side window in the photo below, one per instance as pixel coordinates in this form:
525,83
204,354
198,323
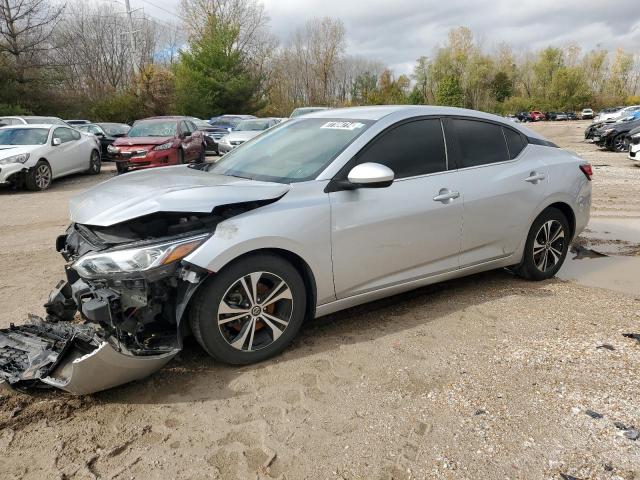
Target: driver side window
409,149
64,134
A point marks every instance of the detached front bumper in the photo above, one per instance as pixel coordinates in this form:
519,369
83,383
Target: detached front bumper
134,159
9,172
71,357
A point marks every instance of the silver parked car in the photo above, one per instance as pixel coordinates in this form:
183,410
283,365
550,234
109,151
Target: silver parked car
318,214
244,131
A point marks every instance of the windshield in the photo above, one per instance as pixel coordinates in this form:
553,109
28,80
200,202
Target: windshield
252,125
154,128
115,128
200,123
24,136
291,152
226,123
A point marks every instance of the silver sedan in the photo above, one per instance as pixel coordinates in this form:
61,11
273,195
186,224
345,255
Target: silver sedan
321,213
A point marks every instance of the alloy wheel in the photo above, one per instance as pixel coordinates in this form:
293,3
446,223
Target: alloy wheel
548,245
43,176
95,162
618,144
255,311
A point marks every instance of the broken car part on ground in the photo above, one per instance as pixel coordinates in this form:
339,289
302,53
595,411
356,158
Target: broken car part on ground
130,286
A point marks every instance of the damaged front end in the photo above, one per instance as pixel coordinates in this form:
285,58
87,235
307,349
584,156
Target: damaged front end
117,317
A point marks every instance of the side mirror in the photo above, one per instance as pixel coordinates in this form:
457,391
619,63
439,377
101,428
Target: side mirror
371,175
56,142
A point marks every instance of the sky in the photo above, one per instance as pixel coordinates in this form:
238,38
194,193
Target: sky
397,32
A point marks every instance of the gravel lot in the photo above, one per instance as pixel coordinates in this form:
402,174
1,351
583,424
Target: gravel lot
488,377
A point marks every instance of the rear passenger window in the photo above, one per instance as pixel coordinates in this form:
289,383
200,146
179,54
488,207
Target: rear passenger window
515,142
410,149
480,143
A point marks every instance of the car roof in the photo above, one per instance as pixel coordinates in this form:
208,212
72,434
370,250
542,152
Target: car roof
34,125
376,113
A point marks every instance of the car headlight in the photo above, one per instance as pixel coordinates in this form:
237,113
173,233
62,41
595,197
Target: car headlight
112,149
136,259
608,131
164,146
225,140
23,157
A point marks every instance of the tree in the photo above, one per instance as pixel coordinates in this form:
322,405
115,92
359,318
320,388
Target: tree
212,77
501,86
26,29
449,92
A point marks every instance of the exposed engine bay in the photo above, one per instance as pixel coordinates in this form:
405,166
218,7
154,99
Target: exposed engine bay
105,325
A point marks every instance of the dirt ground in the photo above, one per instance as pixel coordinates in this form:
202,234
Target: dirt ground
488,377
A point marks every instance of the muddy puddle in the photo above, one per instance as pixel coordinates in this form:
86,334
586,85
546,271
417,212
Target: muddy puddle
613,236
618,273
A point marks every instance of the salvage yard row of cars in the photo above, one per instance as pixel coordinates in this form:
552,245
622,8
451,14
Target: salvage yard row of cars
617,130
309,218
36,150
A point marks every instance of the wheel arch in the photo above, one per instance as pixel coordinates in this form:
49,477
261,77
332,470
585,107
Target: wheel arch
298,263
294,259
567,211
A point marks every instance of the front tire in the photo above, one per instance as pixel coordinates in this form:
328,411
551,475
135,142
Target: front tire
617,144
250,310
39,177
95,163
121,168
546,247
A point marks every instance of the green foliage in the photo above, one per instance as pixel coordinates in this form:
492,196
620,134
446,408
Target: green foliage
449,92
501,87
416,97
213,77
6,109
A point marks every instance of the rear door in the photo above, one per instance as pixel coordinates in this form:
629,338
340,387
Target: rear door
383,237
502,184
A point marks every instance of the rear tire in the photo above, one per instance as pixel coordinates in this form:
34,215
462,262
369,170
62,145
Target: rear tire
203,154
180,156
237,326
546,247
39,177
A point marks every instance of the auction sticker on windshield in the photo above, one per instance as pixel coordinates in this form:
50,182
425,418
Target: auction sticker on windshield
343,125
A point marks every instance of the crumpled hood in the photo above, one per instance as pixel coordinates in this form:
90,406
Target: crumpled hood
167,189
11,150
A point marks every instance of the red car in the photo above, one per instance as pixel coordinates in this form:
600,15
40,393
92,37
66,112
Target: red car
537,116
158,142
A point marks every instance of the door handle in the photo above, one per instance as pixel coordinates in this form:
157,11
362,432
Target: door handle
445,195
535,177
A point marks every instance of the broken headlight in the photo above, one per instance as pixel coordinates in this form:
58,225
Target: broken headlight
136,259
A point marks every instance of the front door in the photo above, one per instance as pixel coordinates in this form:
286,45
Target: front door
410,230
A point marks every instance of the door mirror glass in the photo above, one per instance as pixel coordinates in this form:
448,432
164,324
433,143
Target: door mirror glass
56,142
371,175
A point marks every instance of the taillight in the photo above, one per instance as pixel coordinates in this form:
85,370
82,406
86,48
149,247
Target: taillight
587,170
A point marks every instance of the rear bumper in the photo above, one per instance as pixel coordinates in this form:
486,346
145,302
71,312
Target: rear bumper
634,152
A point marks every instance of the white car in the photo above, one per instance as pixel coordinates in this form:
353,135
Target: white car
245,131
634,145
31,120
34,155
617,115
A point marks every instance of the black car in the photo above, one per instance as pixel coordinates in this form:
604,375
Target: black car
106,132
551,115
612,135
524,117
571,116
208,134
